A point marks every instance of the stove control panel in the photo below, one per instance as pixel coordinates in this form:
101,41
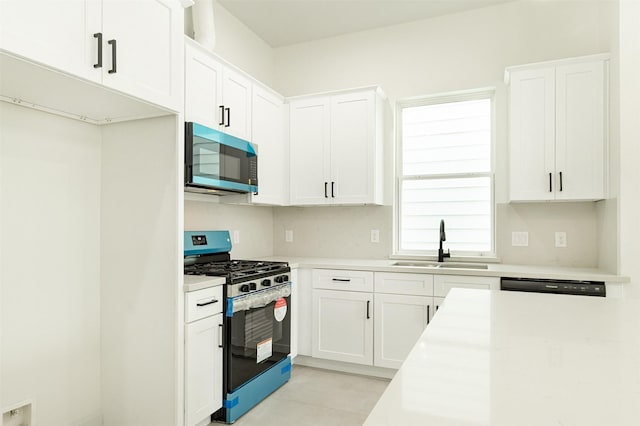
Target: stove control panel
240,289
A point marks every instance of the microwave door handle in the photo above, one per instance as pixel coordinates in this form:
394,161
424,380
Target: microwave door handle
221,123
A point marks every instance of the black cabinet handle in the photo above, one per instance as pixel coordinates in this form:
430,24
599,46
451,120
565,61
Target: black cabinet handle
99,63
114,56
220,336
368,303
550,178
342,280
560,181
325,190
210,302
221,115
228,117
428,314
332,194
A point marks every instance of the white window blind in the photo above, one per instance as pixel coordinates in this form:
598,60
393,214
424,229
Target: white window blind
445,174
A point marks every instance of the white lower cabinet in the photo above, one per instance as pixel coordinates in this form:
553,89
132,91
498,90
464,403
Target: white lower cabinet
443,283
367,318
343,326
399,322
403,308
376,318
203,354
342,321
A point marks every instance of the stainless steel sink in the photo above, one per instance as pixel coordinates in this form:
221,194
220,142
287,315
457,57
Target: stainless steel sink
417,264
445,265
453,265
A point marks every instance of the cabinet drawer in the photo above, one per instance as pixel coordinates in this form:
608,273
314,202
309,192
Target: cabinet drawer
203,303
342,280
398,283
444,283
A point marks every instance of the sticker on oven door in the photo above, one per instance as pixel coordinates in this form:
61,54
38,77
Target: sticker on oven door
280,309
264,350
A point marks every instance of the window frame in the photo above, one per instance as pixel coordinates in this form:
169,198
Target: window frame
441,98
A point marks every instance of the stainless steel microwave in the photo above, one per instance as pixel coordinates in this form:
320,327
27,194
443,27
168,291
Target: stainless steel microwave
218,163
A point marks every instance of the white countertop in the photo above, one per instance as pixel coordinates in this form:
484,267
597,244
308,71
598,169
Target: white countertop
507,358
198,282
493,269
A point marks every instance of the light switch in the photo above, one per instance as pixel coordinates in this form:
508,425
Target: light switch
288,235
375,235
236,237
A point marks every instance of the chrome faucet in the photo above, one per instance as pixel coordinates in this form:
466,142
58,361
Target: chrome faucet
443,237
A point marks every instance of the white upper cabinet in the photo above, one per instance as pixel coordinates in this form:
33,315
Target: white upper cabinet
202,87
54,33
557,121
102,41
216,96
267,128
336,148
309,139
145,60
236,102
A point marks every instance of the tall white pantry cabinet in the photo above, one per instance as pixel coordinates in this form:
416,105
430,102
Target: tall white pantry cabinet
558,130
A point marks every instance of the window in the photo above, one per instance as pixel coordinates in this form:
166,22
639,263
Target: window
445,173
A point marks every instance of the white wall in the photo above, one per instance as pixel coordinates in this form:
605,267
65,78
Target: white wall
254,223
141,267
629,142
50,209
455,52
239,45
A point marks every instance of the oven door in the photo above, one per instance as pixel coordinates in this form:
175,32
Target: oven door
257,336
216,160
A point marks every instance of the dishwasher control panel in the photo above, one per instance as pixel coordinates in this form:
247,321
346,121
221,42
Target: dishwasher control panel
535,285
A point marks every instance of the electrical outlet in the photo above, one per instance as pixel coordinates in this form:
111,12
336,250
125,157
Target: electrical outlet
375,235
288,235
561,239
19,415
236,237
520,239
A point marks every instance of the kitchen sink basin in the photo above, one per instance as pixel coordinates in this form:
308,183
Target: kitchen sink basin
445,265
417,264
454,265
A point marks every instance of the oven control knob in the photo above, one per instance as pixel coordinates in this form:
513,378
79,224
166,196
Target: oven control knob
244,288
252,286
266,283
282,278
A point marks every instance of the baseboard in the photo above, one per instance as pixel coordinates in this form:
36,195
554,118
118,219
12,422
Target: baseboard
344,367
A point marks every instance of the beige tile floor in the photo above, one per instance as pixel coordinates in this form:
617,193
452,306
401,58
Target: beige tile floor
315,397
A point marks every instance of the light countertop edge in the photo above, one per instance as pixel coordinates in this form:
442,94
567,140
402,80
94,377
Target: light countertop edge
494,269
199,282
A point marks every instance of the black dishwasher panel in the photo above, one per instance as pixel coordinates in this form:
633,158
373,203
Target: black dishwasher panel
538,285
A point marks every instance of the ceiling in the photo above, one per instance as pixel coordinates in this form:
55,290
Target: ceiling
286,22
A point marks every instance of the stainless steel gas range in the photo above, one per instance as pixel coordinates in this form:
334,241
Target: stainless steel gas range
257,320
